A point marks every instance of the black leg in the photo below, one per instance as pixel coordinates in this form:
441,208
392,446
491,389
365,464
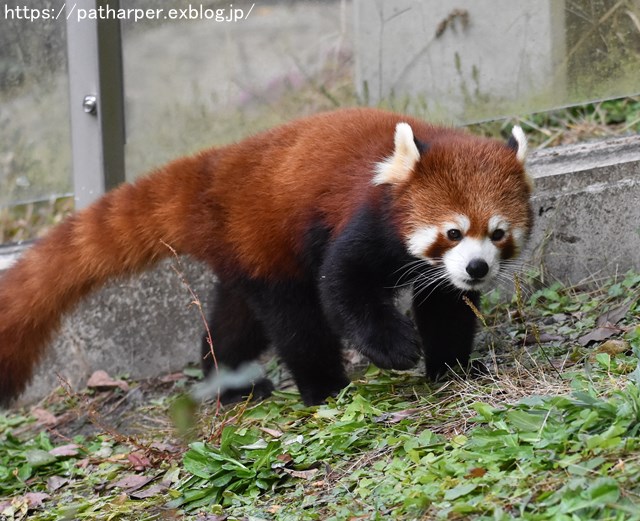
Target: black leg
447,325
357,277
294,321
238,337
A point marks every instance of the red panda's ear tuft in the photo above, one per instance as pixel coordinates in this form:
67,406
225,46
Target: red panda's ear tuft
397,168
518,142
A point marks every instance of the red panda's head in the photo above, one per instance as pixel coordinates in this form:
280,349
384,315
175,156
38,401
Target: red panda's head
463,201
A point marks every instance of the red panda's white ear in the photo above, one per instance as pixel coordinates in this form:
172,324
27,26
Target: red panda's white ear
397,168
519,143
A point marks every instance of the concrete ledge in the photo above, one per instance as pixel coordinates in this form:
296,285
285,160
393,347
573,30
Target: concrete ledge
587,206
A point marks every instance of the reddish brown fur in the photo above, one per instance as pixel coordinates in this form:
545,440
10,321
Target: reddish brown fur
446,186
243,209
455,189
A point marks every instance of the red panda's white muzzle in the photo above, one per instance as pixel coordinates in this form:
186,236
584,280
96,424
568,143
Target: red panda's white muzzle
472,264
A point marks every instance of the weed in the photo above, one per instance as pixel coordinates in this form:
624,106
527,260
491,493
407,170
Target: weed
540,437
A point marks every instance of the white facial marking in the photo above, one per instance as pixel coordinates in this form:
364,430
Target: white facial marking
458,258
459,222
397,167
518,238
521,139
498,222
421,240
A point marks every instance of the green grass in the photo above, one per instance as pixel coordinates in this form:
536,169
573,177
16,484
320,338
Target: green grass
551,431
608,118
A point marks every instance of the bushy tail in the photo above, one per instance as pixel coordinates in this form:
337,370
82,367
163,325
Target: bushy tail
124,232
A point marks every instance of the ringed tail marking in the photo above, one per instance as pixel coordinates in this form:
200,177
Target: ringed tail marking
118,235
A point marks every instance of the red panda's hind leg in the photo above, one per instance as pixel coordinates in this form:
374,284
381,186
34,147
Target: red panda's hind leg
238,338
294,320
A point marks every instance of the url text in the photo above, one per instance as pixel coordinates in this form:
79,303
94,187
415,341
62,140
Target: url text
191,12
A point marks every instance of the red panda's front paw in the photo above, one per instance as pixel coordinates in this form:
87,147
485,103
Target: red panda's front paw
316,392
393,345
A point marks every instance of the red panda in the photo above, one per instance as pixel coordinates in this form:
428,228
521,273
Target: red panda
310,228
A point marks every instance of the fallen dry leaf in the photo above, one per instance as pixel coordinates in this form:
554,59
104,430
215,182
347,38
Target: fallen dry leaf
101,381
173,377
614,347
131,482
272,432
599,333
56,483
152,491
165,447
83,463
476,472
615,315
44,417
283,461
70,449
36,499
139,460
303,474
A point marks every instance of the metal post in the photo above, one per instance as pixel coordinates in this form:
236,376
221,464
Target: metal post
94,50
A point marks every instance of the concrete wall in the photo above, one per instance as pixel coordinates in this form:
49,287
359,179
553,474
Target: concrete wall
463,60
587,205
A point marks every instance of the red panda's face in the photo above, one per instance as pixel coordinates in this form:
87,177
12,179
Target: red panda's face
464,204
471,251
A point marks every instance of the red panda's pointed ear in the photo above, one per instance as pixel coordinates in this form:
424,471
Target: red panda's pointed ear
518,142
397,168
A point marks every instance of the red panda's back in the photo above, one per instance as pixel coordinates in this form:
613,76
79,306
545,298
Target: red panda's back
273,187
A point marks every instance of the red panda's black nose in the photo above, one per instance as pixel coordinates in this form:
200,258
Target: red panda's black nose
477,268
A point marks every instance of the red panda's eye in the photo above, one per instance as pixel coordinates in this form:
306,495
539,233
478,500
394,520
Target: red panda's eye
497,235
454,235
